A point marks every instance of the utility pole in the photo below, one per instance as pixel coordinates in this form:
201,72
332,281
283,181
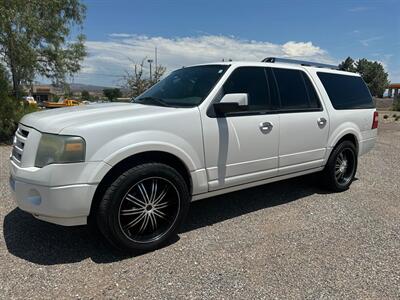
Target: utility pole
150,61
155,58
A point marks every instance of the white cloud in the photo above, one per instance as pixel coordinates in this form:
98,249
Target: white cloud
367,42
301,49
359,8
120,35
112,57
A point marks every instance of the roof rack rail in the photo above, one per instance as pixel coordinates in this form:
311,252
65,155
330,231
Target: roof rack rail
299,62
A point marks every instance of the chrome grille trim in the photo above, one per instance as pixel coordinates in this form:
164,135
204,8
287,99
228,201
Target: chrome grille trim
18,149
20,138
23,132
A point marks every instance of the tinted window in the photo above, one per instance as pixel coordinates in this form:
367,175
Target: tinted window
295,90
346,92
273,89
250,80
312,94
184,87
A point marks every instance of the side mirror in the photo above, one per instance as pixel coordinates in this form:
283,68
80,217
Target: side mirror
231,103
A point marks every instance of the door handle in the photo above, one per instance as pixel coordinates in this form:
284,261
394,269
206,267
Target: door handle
321,122
266,127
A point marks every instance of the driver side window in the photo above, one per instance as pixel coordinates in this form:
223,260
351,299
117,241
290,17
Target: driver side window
253,82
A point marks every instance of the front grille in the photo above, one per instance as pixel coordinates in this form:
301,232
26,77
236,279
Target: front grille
19,144
23,132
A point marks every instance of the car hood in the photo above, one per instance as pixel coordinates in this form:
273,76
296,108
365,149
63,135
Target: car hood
55,120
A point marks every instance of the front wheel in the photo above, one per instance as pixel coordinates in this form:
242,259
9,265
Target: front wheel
341,168
143,207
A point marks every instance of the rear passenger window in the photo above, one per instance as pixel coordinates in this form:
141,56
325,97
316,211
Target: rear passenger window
295,90
252,81
345,91
312,94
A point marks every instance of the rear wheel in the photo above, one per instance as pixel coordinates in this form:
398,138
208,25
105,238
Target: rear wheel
143,208
341,167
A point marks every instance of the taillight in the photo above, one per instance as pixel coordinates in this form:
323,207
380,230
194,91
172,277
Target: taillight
375,120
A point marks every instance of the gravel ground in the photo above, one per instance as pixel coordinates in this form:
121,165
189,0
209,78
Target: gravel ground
283,240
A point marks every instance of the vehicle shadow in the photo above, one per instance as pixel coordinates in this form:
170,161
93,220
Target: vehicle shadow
47,244
220,208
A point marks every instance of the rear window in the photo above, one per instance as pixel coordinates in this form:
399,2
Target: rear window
346,92
296,90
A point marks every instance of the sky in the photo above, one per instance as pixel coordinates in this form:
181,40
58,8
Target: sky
186,32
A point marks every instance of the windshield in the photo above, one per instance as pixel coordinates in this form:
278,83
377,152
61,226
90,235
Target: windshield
186,87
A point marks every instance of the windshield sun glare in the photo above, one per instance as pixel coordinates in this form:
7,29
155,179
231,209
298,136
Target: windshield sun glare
186,87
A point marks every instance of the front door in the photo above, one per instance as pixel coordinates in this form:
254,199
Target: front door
243,146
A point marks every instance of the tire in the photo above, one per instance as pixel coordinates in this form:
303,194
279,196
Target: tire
143,208
341,167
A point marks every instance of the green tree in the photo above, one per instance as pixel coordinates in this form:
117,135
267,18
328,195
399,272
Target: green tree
85,95
372,72
66,90
4,83
35,39
374,75
347,65
112,93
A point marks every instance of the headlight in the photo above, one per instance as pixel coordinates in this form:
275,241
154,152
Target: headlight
58,149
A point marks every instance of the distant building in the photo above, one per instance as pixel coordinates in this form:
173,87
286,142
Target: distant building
393,90
44,93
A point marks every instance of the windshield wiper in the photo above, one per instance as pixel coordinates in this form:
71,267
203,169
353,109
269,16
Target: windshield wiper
151,100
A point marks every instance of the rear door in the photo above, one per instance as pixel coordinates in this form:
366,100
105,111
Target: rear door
304,123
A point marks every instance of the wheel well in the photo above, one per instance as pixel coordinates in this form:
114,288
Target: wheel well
134,160
349,137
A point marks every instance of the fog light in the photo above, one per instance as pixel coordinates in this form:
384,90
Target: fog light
34,197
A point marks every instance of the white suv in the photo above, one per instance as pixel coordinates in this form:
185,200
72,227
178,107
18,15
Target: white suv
132,169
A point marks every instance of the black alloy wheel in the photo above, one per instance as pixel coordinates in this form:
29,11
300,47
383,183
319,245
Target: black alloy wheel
341,167
143,208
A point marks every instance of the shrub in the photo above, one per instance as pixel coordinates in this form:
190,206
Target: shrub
396,103
11,111
397,118
7,117
394,116
385,116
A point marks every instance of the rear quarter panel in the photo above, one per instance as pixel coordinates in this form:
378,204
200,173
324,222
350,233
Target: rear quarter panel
357,122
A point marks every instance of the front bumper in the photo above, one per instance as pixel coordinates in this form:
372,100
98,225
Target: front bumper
64,205
60,194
